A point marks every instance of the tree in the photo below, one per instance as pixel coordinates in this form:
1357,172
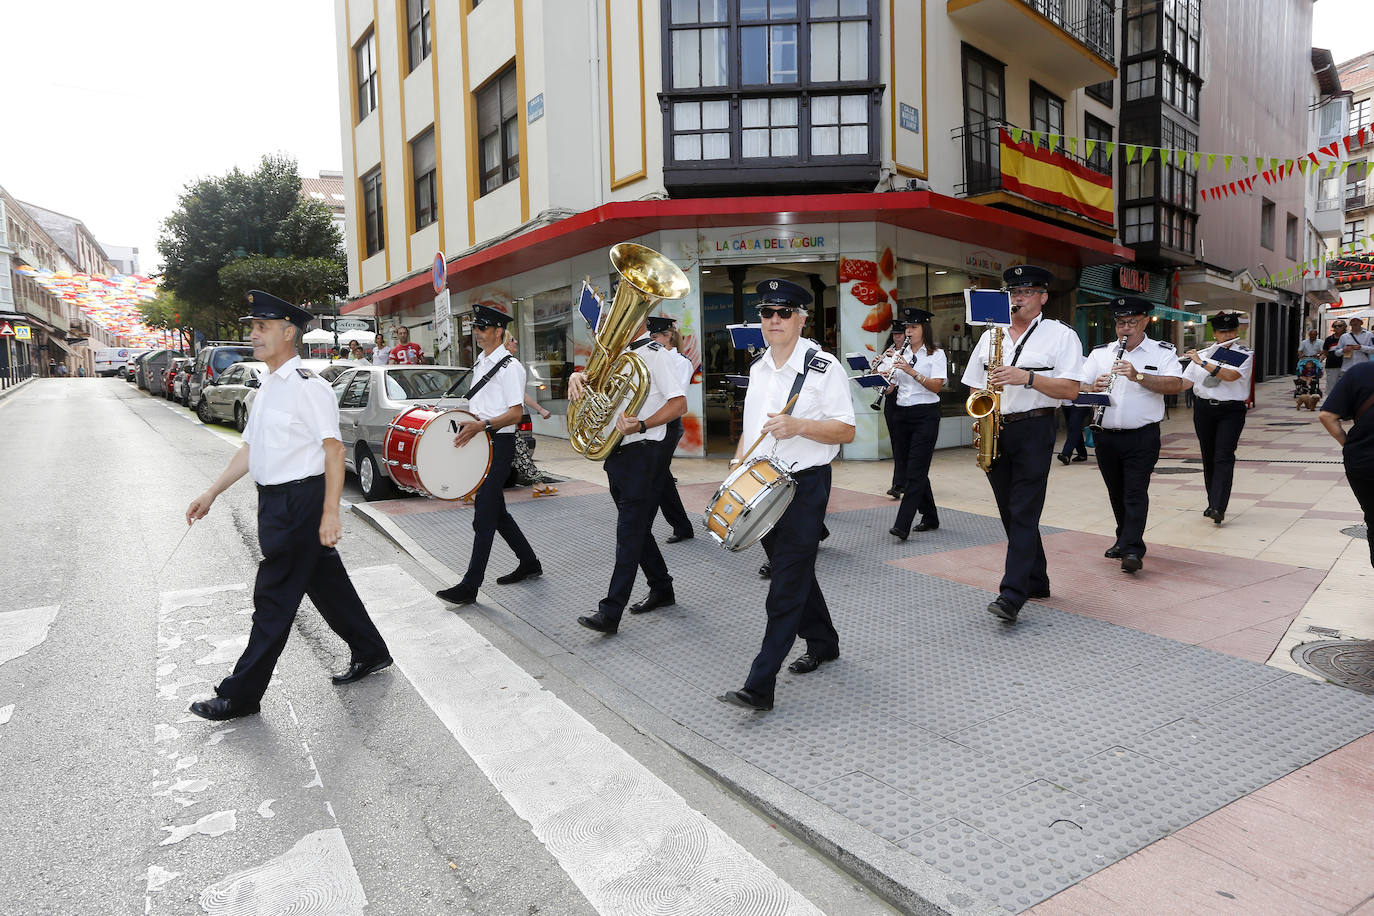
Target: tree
297,280
241,215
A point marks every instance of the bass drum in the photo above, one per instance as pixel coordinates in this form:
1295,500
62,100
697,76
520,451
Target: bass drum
422,458
749,503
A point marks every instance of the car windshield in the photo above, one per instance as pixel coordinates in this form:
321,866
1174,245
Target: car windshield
227,356
427,382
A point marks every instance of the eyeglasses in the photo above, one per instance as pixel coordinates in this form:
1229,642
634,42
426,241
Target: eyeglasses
783,312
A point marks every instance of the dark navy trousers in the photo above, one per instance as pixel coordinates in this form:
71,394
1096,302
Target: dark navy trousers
917,427
670,502
1126,458
1019,477
1218,427
489,515
635,475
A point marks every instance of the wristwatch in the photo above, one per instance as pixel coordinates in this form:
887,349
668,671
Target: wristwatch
1139,377
486,424
643,427
1030,379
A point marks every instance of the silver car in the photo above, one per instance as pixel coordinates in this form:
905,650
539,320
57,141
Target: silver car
370,397
223,397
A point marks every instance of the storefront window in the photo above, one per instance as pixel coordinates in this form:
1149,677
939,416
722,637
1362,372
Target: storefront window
546,344
940,290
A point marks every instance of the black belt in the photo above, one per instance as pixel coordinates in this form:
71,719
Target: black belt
270,487
914,406
1125,429
1215,403
807,472
1027,414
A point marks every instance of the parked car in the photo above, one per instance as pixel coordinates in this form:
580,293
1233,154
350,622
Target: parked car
210,362
370,397
150,367
222,398
327,369
176,378
130,371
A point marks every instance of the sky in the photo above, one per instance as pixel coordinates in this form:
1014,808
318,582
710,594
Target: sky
113,107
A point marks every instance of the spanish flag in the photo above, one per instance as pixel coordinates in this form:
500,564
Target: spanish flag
1053,178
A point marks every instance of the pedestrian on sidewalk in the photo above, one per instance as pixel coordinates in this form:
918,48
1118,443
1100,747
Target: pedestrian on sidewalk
1334,357
1311,348
1041,360
1353,399
380,351
1356,345
1219,395
292,449
919,372
664,333
634,472
896,344
1128,439
805,440
496,398
1074,419
523,461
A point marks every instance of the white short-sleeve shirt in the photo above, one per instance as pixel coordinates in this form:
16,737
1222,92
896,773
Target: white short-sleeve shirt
909,391
502,392
1052,350
293,413
685,369
665,383
1133,405
1205,385
824,396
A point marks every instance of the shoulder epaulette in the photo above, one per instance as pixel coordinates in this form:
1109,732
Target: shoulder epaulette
757,356
305,373
1101,345
819,363
655,345
1166,345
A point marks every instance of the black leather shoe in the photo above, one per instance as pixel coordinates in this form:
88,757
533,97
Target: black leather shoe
1036,596
747,699
218,709
1064,459
600,623
1131,563
1218,516
898,533
458,594
1001,607
1112,553
825,532
359,670
520,573
807,662
766,571
652,600
926,526
1078,458
894,492
675,537
1209,512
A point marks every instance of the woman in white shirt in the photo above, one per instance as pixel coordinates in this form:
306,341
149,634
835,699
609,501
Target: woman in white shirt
919,373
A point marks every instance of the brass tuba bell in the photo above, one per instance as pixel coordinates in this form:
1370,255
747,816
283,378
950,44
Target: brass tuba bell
617,380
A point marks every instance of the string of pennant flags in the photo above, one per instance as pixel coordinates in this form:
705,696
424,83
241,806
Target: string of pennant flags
1270,169
1321,266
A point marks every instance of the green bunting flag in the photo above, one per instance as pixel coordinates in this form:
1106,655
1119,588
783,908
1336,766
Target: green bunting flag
1110,147
1016,133
1197,161
1053,141
1145,153
1245,161
1211,161
1130,153
1088,149
1073,145
1035,138
1226,162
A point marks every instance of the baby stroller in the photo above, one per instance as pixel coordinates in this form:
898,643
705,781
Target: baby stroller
1307,385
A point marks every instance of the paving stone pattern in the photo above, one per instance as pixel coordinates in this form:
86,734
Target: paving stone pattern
1016,759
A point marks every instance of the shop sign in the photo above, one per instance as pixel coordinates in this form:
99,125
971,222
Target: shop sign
351,324
984,261
1132,279
770,240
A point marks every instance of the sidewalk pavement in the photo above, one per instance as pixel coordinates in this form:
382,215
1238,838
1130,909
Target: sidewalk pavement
1133,745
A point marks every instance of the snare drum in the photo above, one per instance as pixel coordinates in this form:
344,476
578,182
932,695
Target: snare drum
422,458
749,503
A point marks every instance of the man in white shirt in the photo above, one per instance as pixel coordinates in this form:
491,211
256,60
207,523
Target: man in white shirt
291,446
1355,345
804,441
661,330
1220,392
1128,440
634,473
1040,362
1311,347
497,399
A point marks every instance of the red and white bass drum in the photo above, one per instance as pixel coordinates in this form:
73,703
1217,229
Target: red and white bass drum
422,458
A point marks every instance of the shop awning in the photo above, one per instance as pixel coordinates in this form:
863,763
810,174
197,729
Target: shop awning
604,226
1172,314
1221,291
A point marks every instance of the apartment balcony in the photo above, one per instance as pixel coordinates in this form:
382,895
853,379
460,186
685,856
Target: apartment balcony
1057,187
1329,218
1073,39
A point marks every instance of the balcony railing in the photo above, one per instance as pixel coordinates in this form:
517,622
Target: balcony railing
1091,22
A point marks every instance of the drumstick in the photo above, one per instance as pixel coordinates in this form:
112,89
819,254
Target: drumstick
786,407
174,550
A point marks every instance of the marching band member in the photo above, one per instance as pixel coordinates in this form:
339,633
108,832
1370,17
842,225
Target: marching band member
497,399
662,332
1128,441
291,447
1219,395
896,343
1040,371
807,440
635,471
920,369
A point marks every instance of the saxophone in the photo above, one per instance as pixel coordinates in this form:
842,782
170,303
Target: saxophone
985,407
617,380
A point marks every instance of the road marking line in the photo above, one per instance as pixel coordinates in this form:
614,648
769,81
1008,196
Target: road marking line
22,630
628,841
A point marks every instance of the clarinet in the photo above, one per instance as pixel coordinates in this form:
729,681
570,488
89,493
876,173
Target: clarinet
1101,409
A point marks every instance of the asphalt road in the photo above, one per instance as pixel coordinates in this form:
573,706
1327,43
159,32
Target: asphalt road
379,797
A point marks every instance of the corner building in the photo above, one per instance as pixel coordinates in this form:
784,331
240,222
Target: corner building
871,150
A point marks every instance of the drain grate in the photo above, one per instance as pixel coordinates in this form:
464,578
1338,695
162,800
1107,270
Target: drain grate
1357,531
1346,662
1277,460
1178,470
1287,423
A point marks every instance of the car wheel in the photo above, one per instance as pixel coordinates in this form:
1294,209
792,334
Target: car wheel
203,411
240,417
371,479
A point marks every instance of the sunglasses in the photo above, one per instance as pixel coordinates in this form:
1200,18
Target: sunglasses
766,311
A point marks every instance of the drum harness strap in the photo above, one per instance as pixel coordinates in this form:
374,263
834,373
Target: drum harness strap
488,377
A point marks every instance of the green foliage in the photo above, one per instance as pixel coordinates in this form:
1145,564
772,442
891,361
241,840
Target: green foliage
258,216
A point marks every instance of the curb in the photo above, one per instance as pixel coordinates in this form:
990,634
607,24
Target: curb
15,387
902,880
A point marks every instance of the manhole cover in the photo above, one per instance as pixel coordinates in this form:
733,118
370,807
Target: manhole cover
1356,531
1178,470
1347,662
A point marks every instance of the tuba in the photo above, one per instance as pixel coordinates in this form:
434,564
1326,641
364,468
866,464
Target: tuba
617,380
985,407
